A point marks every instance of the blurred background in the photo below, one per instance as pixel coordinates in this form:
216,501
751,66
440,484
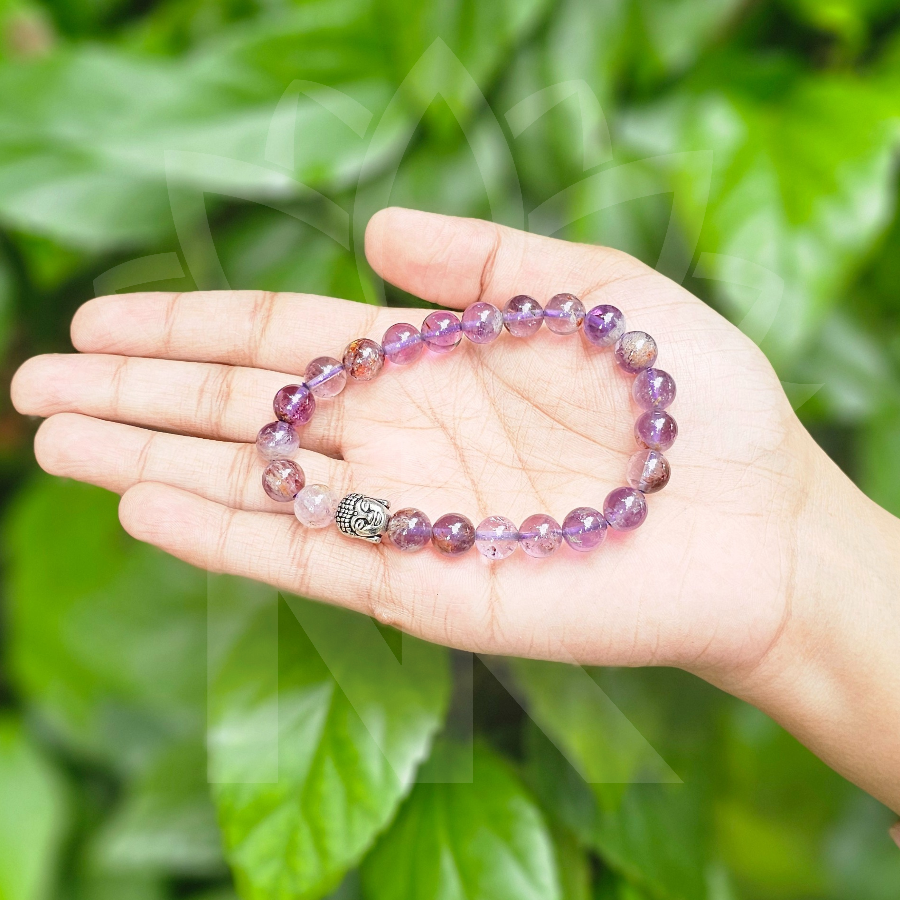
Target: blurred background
747,149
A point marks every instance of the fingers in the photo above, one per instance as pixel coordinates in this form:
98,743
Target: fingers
227,403
117,457
282,332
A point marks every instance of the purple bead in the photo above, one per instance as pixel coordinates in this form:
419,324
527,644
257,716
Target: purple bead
277,439
625,508
655,429
482,323
402,344
441,331
564,314
409,529
283,479
540,535
648,471
294,403
635,351
604,325
522,316
325,377
363,359
584,529
315,506
453,534
653,389
496,537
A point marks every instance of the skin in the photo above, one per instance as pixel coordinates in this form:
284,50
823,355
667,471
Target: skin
760,568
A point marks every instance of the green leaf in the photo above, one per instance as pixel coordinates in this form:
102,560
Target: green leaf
32,816
880,443
353,723
481,840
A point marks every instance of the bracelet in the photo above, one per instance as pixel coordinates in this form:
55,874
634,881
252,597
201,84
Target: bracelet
369,518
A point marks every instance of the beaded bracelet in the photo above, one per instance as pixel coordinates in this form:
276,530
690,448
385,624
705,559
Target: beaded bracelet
357,515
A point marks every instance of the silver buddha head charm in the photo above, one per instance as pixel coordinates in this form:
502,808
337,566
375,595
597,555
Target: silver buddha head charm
363,517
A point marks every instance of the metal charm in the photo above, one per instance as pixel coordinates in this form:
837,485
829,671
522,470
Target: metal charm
363,517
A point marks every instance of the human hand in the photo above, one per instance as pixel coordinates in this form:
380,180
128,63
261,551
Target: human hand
724,578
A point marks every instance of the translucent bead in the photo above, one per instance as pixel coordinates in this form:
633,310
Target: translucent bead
653,389
482,323
604,325
441,331
635,351
584,529
277,439
522,316
325,377
363,359
496,537
315,506
540,535
294,403
564,314
648,471
283,479
453,534
625,509
402,344
409,529
656,430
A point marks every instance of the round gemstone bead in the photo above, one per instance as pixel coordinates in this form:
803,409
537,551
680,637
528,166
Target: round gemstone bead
540,535
363,359
482,323
584,529
402,344
522,316
653,389
604,325
625,509
496,537
635,351
656,430
648,471
409,529
564,314
453,534
294,403
325,377
315,506
277,439
441,331
283,479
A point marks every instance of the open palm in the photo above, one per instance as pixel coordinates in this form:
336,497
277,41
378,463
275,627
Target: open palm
164,400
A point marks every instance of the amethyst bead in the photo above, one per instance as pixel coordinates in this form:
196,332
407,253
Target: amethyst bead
648,471
635,351
325,377
496,537
453,534
604,325
540,535
315,506
482,323
283,479
363,359
402,344
653,389
294,403
584,529
441,331
409,529
564,314
277,439
625,509
656,430
522,316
